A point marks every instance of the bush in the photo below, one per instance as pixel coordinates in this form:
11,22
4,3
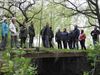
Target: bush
17,65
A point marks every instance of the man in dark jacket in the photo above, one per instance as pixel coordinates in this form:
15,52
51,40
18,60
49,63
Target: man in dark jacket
58,39
42,35
95,35
23,35
76,33
65,38
31,31
51,37
70,39
46,33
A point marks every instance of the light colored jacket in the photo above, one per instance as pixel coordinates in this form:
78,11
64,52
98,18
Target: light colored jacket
13,30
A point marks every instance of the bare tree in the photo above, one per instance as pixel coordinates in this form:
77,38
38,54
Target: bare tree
15,7
92,10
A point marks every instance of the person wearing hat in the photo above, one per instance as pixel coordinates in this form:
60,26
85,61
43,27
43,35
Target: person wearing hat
14,33
4,32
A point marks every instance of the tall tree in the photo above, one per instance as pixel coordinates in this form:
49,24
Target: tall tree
23,7
91,9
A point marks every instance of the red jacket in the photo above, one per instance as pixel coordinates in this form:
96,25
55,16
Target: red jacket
82,37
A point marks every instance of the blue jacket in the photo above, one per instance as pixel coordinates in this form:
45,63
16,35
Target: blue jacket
5,29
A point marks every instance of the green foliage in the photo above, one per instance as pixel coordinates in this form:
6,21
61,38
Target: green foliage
86,73
17,65
94,50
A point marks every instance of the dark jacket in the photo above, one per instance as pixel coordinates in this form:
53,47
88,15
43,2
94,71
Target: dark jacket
64,36
23,32
76,33
58,36
31,31
95,34
42,33
70,36
51,34
46,31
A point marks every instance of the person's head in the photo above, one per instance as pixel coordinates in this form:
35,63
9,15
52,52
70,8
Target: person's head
58,30
13,20
82,31
21,25
64,30
95,28
47,24
4,19
75,27
50,28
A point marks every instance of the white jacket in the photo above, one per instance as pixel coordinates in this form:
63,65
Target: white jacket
13,30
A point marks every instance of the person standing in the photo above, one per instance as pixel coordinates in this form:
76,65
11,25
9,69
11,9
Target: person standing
95,35
23,35
70,39
46,34
31,31
82,38
65,38
51,37
14,33
76,33
4,31
58,39
43,37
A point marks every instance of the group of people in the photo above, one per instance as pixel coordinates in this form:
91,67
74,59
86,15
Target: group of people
23,35
14,33
65,39
71,39
47,36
